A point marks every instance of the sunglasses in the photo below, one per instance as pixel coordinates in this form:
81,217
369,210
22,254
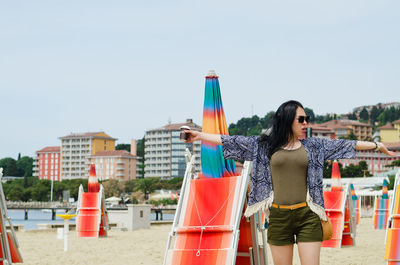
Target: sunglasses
301,119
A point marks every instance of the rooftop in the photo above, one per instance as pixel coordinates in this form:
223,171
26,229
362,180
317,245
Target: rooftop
336,124
50,149
114,153
177,126
396,122
320,128
388,126
101,135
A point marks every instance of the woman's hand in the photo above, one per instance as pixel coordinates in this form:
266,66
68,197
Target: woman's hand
193,136
201,136
383,149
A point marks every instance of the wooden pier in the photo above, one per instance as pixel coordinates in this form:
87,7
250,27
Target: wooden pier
52,206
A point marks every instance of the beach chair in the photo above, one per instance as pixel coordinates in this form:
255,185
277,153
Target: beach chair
392,238
209,219
339,208
92,219
381,213
9,253
381,208
357,210
356,204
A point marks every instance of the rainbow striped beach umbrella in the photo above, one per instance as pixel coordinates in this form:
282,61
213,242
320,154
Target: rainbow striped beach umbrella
353,192
385,190
213,164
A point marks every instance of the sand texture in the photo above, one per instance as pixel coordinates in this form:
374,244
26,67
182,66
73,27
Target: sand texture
147,246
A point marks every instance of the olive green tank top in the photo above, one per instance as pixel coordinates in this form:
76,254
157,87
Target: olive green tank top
289,176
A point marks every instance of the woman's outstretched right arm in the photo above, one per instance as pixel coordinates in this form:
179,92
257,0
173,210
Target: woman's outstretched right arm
201,136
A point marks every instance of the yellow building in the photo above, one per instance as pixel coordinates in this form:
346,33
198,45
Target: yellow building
76,150
390,132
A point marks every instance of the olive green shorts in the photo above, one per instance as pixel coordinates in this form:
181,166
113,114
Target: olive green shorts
287,227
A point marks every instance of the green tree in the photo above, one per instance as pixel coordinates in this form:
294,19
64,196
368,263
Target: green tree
4,162
356,171
147,186
266,122
126,147
15,194
364,115
129,185
140,153
24,166
395,163
112,187
391,182
310,113
324,118
42,191
374,114
352,116
256,130
351,171
389,115
140,147
246,126
11,168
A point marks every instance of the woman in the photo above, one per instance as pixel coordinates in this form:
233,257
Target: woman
287,179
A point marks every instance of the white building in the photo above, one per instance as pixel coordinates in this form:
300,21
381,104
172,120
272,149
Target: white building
164,152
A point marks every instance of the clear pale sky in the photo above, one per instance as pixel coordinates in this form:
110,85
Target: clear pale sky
128,66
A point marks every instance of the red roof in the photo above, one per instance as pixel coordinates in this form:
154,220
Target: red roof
50,149
320,128
114,153
345,123
388,126
396,122
334,124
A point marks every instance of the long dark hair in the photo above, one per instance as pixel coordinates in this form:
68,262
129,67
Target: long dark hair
281,131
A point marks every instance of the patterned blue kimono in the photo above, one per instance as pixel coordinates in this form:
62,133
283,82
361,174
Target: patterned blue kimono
261,194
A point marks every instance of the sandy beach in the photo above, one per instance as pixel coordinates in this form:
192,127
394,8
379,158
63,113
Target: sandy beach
147,246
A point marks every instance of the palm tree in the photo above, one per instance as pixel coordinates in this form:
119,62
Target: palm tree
147,186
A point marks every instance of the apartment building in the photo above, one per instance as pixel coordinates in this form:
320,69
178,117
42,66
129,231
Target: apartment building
321,131
389,133
165,152
46,164
363,131
76,150
376,161
118,164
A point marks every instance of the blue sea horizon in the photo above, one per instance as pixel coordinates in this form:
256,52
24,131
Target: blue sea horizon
36,217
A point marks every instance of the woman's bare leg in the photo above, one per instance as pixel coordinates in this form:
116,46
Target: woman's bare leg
309,252
282,255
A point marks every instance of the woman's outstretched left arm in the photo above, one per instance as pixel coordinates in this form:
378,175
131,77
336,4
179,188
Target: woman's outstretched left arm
363,145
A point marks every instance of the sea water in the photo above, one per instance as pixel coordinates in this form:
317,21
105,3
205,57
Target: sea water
36,217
